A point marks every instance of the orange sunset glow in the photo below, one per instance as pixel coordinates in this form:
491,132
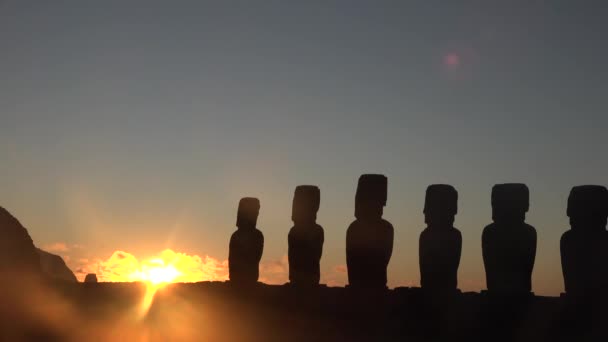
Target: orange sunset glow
156,272
168,266
303,171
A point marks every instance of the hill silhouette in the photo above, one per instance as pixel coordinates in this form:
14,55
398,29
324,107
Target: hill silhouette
54,266
18,255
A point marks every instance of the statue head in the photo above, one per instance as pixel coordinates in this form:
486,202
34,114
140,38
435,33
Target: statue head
247,215
588,207
510,202
306,200
370,198
440,205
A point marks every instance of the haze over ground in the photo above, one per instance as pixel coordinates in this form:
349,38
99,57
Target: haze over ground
138,126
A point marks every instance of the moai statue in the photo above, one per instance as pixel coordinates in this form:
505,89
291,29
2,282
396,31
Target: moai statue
584,248
509,244
90,278
246,244
440,244
369,239
306,237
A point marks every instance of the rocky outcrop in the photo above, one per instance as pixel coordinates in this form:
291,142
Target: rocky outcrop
54,267
18,255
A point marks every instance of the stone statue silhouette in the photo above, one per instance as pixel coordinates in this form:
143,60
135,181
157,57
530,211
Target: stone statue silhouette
509,244
369,239
584,248
440,244
246,244
90,278
306,237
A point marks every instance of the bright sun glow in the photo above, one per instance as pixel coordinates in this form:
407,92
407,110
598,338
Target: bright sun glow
156,272
166,266
162,275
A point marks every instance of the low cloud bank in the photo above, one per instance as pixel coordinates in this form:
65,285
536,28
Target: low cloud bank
123,266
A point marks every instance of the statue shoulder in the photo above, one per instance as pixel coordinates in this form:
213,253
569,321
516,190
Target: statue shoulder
387,225
489,228
567,235
319,229
530,228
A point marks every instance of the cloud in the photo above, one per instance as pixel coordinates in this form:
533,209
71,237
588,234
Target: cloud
336,277
56,247
275,271
123,266
340,269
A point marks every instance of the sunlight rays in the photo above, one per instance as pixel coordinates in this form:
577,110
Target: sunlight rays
156,274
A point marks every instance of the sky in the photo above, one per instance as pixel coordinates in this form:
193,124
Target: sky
129,128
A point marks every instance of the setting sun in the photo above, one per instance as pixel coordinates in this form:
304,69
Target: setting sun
167,266
156,272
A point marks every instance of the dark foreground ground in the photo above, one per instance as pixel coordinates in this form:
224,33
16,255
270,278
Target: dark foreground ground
222,312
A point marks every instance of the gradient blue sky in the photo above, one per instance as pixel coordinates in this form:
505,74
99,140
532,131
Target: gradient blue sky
137,125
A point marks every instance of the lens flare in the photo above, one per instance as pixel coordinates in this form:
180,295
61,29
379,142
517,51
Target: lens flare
155,273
